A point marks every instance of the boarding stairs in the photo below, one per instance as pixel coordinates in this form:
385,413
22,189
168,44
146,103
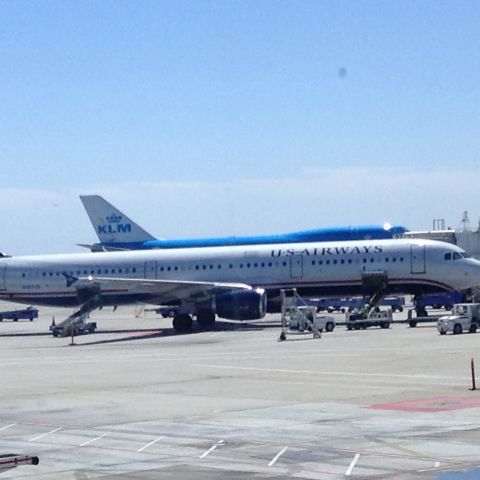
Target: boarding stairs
77,323
296,311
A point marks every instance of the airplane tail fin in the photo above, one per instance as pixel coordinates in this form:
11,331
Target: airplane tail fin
110,224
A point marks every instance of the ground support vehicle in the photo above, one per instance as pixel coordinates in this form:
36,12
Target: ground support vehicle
79,327
465,318
350,304
76,324
28,313
377,318
322,322
12,460
444,300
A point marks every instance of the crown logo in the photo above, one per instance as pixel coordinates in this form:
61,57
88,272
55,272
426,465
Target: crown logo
114,218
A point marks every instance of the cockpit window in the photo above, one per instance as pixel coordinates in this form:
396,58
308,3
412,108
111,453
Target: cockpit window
454,256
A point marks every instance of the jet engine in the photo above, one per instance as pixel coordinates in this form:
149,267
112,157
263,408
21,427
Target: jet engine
245,305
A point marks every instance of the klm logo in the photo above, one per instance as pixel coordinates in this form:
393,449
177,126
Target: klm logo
114,225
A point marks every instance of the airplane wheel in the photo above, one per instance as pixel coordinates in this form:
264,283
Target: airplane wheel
205,319
182,323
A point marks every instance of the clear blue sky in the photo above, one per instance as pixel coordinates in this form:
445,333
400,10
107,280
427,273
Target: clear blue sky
202,118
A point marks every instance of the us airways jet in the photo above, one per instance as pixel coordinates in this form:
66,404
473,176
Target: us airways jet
240,282
116,231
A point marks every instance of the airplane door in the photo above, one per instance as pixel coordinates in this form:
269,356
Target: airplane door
417,257
3,269
296,266
150,270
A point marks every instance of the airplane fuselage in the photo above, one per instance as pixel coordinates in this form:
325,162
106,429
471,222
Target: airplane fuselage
412,266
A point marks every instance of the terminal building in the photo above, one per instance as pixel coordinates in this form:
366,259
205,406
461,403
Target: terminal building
464,236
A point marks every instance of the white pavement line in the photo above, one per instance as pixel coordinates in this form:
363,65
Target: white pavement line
211,449
277,456
352,465
34,439
150,444
8,426
313,372
94,439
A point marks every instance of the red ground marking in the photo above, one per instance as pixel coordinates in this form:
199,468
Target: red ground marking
436,404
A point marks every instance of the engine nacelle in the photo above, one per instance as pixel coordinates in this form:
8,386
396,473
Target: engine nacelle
245,305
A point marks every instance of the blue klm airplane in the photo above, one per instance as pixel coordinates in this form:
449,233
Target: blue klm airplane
118,232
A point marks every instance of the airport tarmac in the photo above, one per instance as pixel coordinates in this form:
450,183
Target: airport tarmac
136,401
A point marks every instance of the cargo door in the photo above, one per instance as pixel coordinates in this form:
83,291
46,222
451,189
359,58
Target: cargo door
417,253
150,270
3,269
296,266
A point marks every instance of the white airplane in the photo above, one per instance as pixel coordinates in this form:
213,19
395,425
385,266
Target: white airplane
235,282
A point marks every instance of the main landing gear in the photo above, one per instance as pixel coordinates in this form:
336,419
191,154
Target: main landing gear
205,318
182,323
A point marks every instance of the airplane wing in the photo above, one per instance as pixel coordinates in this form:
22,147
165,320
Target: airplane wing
161,291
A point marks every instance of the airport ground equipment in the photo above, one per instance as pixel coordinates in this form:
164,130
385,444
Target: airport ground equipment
444,300
349,304
465,318
413,321
375,318
28,313
78,320
12,460
298,318
375,283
